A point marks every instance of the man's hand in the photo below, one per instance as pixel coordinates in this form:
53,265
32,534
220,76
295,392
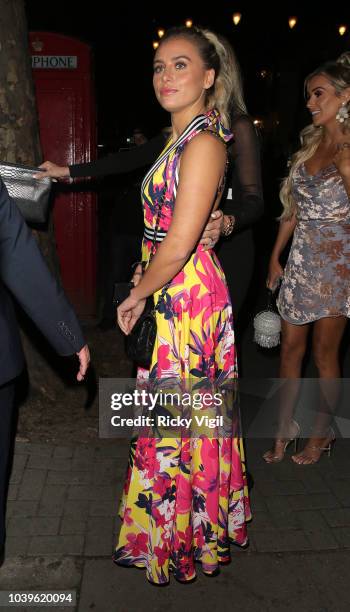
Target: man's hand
84,360
212,230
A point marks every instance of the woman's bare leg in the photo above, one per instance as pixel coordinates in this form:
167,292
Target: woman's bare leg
327,336
293,346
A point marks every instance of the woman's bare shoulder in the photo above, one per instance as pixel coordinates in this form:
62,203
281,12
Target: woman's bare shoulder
205,142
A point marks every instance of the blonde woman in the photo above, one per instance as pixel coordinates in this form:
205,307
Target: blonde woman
185,499
315,286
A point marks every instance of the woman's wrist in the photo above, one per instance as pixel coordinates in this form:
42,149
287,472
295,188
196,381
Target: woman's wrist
275,257
228,225
135,293
67,175
61,172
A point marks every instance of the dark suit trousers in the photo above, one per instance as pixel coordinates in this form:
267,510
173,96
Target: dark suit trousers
7,393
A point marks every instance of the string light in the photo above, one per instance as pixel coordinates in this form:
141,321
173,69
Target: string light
236,18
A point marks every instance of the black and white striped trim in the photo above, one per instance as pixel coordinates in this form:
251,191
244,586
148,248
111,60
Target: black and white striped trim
195,124
148,234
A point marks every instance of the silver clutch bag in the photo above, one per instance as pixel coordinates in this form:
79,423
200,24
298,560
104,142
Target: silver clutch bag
31,195
267,326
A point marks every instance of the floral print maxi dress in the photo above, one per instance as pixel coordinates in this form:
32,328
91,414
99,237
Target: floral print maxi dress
316,279
185,498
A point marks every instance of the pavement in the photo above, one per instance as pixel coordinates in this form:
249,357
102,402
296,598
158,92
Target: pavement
61,530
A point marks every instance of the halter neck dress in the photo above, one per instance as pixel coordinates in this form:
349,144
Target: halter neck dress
185,498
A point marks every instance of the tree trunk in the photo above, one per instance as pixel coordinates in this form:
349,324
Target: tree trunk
19,134
20,143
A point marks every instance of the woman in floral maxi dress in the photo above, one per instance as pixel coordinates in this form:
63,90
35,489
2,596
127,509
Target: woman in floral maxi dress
185,498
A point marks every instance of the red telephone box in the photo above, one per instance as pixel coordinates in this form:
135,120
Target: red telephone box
62,70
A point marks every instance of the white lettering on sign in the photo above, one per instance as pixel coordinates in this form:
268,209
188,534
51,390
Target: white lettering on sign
55,61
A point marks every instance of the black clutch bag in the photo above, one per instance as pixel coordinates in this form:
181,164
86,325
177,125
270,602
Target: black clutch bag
31,195
121,292
140,341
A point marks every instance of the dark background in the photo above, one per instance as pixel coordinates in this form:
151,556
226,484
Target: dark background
121,38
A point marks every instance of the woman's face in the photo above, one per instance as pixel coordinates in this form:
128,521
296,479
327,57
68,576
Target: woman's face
180,77
322,100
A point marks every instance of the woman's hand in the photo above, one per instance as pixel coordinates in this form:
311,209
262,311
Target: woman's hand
52,170
212,230
129,312
137,274
342,160
274,275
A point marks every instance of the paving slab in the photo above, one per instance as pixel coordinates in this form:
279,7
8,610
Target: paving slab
305,582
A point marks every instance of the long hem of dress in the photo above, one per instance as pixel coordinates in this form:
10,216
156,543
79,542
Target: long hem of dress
208,570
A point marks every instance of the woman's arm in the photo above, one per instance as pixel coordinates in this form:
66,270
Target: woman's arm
202,166
285,231
117,163
123,162
342,162
244,200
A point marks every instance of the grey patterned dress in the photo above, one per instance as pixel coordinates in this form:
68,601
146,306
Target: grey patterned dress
316,279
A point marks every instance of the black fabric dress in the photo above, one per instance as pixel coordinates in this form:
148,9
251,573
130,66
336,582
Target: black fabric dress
243,198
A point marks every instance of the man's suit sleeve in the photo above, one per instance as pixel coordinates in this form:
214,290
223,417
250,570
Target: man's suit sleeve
24,271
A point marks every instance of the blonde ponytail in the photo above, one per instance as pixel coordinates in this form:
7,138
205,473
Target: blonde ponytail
344,59
227,92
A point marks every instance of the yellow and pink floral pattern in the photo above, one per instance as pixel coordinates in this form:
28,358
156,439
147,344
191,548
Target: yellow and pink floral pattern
185,498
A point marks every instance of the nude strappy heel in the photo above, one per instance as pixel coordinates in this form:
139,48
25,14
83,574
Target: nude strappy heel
327,448
283,443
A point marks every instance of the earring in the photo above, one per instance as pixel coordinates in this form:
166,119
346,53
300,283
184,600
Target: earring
342,113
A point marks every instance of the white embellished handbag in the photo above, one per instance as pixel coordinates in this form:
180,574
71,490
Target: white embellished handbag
267,325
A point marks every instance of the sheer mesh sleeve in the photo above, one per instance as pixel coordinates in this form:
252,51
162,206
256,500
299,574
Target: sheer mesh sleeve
125,161
244,197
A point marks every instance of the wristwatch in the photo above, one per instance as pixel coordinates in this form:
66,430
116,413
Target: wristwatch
229,224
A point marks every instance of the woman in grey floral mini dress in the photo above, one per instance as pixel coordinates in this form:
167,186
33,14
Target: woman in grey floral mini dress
315,286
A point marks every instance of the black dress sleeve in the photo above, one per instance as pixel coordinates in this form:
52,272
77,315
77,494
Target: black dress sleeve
124,161
244,197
